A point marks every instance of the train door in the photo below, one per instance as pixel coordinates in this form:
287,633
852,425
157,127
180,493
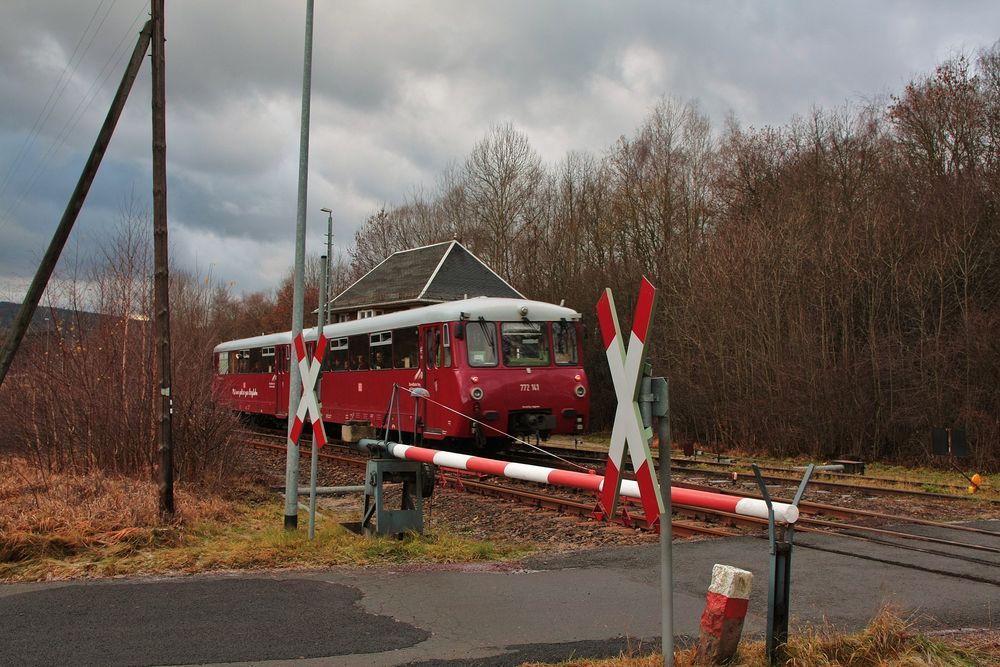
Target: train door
433,359
280,379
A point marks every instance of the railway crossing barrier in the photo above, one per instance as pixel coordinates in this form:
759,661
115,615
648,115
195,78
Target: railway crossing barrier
783,513
779,579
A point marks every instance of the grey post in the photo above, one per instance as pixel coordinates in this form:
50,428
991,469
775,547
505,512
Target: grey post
780,577
314,456
654,401
661,387
320,323
294,380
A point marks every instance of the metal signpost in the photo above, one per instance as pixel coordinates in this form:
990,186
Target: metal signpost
640,398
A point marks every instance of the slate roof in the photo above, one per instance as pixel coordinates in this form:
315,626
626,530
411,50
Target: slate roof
440,272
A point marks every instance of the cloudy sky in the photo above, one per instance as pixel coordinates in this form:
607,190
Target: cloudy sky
400,90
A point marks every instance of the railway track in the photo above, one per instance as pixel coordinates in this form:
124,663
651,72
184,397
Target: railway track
816,519
733,472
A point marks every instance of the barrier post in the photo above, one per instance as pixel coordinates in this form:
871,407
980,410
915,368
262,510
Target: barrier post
780,574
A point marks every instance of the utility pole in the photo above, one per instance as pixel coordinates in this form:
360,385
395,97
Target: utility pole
161,276
48,264
298,290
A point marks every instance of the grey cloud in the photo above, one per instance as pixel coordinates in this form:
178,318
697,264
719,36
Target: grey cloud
402,89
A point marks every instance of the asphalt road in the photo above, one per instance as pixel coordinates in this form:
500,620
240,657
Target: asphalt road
592,603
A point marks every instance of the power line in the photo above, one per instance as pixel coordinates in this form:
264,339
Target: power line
54,95
110,65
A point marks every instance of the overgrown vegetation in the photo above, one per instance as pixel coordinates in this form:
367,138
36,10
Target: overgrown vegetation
83,393
888,641
93,524
829,287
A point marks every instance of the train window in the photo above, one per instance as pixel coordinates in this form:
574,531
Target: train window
564,343
223,363
357,348
524,344
380,354
432,346
336,357
244,361
406,347
266,360
447,346
481,343
256,362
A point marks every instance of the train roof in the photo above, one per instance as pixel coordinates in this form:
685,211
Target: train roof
489,308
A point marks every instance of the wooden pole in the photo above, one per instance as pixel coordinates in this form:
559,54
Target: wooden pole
48,264
161,276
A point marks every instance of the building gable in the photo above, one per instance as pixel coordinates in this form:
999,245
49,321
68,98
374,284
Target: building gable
440,272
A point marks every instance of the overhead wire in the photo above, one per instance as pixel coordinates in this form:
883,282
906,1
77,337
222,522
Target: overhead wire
493,428
110,66
54,96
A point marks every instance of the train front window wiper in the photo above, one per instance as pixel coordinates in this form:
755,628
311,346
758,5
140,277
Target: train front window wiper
481,344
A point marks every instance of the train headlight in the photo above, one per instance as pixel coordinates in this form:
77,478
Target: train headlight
580,391
477,393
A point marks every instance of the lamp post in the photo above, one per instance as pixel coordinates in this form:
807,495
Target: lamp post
325,297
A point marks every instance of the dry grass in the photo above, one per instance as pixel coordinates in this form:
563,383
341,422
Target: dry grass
59,515
63,526
888,641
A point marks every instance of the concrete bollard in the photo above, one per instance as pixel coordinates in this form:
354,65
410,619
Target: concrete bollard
725,609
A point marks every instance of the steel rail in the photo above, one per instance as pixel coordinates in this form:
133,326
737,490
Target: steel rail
814,508
577,507
810,524
597,456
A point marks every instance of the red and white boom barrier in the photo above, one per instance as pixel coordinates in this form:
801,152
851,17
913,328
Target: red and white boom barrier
579,480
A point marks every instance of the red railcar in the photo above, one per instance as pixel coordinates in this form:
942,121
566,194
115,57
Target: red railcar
492,366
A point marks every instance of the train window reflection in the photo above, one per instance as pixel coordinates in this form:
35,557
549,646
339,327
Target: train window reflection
564,343
481,342
406,347
524,344
358,349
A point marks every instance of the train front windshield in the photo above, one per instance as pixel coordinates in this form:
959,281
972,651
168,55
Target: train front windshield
521,344
524,344
481,341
